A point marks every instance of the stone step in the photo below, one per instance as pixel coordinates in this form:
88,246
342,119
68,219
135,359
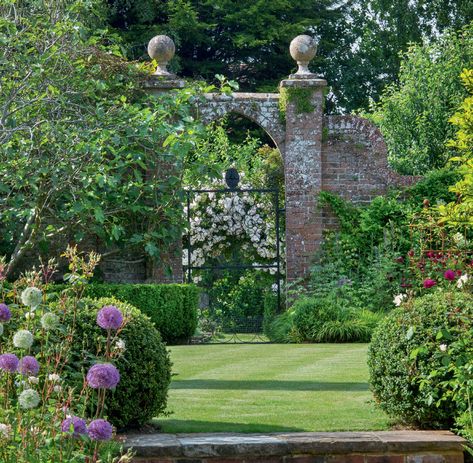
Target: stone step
305,447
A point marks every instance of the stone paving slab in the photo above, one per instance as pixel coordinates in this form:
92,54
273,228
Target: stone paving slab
224,445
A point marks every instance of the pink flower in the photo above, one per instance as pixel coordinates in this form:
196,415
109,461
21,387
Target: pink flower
449,275
428,283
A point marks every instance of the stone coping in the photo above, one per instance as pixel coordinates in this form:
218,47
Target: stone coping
239,96
218,445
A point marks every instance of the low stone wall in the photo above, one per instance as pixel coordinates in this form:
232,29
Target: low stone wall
343,447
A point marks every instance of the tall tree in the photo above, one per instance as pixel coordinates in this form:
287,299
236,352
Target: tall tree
383,31
80,144
246,40
360,40
413,115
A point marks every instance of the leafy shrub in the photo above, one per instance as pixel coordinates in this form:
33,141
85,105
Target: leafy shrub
145,367
238,300
414,114
172,308
435,186
414,353
278,328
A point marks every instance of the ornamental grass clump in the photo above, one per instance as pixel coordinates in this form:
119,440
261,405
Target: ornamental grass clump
43,417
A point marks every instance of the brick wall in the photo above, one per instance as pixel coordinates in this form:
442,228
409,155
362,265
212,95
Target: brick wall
343,154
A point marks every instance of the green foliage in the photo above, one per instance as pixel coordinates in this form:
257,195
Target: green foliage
435,187
279,329
240,296
172,308
301,97
359,42
413,355
245,40
363,256
145,367
82,147
370,247
243,302
459,213
414,114
217,152
383,31
329,319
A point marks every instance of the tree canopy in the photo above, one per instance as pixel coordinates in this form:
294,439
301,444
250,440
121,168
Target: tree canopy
414,114
81,146
360,41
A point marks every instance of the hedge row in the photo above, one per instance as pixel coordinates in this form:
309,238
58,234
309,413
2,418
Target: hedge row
172,307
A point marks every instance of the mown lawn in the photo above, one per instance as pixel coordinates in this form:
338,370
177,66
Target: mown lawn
270,388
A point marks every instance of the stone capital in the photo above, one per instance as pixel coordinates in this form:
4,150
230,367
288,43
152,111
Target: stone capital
156,84
305,82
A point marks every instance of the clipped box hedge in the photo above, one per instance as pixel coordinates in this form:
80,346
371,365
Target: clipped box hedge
171,307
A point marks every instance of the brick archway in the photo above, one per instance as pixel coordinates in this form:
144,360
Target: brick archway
344,154
260,108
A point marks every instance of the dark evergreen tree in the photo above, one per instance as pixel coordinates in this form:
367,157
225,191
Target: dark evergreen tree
360,41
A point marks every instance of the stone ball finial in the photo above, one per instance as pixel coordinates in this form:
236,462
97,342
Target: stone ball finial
162,49
303,48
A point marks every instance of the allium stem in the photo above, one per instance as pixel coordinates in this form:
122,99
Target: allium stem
107,350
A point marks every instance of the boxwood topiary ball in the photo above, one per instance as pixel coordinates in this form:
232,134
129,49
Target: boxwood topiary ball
408,346
145,367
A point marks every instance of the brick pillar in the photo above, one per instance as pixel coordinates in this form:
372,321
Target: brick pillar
303,171
169,270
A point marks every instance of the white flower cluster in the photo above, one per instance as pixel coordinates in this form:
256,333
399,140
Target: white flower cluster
5,431
220,220
399,299
462,280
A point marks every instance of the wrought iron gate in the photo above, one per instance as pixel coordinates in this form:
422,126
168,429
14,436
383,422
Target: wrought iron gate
235,329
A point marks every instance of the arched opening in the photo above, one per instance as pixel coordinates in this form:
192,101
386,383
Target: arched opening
234,241
239,126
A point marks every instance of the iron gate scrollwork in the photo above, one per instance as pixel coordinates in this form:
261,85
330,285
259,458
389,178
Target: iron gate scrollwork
250,325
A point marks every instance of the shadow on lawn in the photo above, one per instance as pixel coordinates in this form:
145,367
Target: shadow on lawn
178,426
261,385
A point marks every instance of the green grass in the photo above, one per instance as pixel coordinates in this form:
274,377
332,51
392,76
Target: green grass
270,388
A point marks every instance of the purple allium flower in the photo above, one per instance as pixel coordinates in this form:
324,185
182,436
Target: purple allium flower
5,313
28,366
450,275
428,283
109,318
74,425
103,376
100,430
8,362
